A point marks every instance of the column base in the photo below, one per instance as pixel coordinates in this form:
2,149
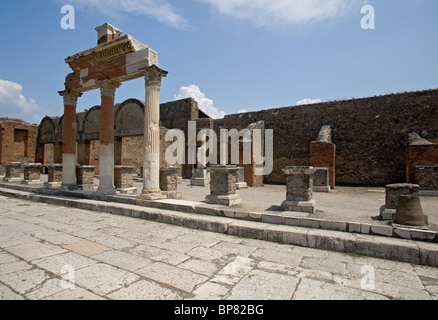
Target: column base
300,206
321,188
152,195
127,190
241,185
32,182
69,187
106,192
173,194
12,179
52,184
226,200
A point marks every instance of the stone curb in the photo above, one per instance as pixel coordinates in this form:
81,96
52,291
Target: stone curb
280,218
409,251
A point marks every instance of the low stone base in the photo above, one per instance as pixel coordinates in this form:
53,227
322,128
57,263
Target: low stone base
12,179
387,214
152,196
69,187
230,200
300,206
321,188
32,182
200,182
173,194
89,187
52,184
127,190
429,193
241,185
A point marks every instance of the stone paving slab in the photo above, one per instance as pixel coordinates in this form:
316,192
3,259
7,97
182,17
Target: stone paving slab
215,266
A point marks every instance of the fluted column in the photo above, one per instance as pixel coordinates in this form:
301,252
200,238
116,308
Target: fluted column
106,153
69,139
151,153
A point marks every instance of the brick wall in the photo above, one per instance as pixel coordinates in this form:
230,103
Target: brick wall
420,155
323,154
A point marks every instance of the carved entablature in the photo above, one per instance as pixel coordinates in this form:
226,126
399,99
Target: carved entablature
118,60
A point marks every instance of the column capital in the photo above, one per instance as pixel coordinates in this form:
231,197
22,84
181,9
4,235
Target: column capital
108,87
70,97
153,75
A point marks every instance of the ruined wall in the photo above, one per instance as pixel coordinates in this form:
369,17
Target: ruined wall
369,134
18,141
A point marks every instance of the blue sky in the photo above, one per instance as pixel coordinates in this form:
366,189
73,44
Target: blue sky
230,55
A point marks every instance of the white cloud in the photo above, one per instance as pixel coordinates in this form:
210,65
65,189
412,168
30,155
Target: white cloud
204,103
242,111
13,104
282,12
160,10
308,101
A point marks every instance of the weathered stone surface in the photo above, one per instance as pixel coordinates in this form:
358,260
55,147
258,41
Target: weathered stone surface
169,178
427,177
123,177
85,177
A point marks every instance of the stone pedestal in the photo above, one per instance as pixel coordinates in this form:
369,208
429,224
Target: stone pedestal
32,173
409,211
223,186
427,178
169,177
123,179
321,182
200,178
241,184
85,177
13,172
393,193
299,183
54,175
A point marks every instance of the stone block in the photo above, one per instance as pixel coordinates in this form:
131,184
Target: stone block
13,172
354,227
299,206
321,181
386,231
334,225
123,177
32,173
394,191
200,178
169,178
272,218
85,177
226,200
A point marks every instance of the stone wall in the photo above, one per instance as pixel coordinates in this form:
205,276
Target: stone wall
18,140
369,134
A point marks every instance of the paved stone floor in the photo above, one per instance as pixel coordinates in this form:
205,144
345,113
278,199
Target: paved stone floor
50,252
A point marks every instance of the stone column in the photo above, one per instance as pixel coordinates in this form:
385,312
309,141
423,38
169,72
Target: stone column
151,152
106,152
299,183
223,186
69,140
